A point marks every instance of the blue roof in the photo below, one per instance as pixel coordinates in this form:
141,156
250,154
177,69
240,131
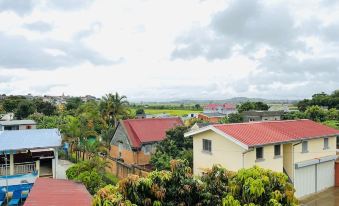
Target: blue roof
29,139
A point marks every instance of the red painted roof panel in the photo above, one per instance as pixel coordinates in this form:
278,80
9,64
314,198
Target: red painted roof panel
260,133
149,130
54,192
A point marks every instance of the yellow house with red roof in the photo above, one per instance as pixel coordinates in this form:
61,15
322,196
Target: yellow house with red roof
304,150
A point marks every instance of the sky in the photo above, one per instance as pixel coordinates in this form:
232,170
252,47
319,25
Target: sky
156,50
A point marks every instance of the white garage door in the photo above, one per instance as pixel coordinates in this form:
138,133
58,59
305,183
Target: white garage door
325,175
304,181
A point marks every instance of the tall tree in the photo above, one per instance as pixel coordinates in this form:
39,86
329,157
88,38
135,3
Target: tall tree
45,108
113,108
25,108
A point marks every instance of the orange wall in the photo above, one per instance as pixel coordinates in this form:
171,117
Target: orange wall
130,157
209,119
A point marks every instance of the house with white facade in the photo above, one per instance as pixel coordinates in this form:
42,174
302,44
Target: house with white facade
224,109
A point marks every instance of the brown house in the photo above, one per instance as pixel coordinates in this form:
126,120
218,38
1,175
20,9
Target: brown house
135,139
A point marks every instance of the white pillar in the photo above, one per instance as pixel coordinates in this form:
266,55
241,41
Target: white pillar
37,167
11,163
55,163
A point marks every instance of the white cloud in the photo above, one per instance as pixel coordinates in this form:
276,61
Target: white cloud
155,50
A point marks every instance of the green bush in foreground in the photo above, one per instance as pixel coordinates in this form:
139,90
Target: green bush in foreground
217,186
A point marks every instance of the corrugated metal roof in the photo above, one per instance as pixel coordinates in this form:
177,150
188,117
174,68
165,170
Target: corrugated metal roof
149,130
29,139
261,133
54,192
17,122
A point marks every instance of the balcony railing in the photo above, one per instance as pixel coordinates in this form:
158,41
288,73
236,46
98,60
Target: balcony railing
19,168
3,170
24,168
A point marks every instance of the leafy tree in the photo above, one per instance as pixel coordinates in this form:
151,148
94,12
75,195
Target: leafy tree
217,186
114,107
315,113
175,146
90,172
92,180
10,104
45,108
333,114
73,103
197,107
235,118
140,111
25,108
224,120
247,106
302,105
260,106
294,115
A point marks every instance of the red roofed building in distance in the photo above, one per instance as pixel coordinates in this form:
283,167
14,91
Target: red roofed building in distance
134,140
225,109
58,192
214,112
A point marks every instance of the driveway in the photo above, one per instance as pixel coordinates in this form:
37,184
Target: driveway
62,166
329,197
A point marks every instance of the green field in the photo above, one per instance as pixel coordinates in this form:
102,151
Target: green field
172,112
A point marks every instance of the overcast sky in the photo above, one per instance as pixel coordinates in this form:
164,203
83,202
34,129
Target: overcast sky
174,49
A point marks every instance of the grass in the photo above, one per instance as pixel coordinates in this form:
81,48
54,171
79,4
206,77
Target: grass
172,112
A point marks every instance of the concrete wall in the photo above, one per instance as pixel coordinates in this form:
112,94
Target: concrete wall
287,159
269,161
315,149
224,152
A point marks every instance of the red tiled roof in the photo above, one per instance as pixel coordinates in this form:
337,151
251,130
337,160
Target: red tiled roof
54,192
215,106
260,133
149,130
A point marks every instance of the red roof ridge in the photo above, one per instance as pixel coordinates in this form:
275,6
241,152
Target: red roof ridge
268,132
258,122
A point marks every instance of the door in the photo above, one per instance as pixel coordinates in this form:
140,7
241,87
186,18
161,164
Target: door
305,181
325,175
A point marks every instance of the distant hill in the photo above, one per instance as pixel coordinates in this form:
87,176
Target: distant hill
234,100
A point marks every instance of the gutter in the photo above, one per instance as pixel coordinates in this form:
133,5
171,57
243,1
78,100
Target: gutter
243,156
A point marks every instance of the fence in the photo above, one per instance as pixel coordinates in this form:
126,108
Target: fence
122,170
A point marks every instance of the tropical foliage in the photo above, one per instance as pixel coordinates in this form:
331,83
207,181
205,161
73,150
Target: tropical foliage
247,106
91,173
254,186
175,146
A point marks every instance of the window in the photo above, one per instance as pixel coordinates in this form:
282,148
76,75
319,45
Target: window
207,145
259,152
120,148
28,127
304,147
277,150
326,143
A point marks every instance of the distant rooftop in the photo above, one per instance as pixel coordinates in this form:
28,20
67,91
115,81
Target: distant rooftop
17,122
48,191
216,114
29,139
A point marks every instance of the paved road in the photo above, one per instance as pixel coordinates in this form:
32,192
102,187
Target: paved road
329,197
63,165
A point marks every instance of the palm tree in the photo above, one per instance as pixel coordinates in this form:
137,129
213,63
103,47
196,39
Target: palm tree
113,107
